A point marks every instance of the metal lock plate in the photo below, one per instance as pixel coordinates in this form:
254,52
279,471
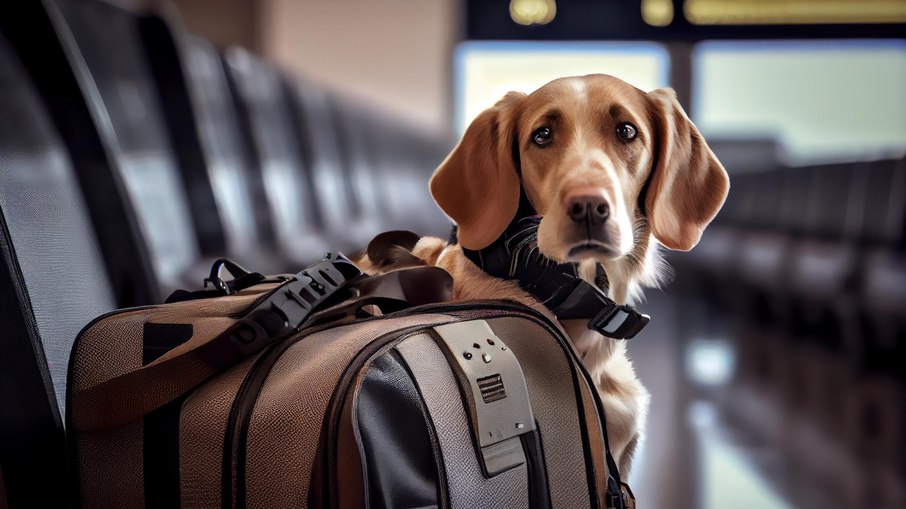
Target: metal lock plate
500,408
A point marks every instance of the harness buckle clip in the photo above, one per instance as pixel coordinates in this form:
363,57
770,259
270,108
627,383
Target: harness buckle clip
618,321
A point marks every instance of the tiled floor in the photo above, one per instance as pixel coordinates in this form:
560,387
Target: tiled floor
691,459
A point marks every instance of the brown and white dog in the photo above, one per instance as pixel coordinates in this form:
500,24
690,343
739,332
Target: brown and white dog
613,172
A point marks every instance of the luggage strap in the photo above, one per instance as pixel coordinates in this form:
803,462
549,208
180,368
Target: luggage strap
312,295
242,279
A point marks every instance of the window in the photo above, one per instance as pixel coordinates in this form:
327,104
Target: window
486,71
822,101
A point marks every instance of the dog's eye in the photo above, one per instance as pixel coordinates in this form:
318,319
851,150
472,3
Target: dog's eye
626,131
543,137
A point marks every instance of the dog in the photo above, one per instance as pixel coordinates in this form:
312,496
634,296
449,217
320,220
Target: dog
612,172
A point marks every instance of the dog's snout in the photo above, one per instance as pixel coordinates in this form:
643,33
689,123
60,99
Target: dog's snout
591,208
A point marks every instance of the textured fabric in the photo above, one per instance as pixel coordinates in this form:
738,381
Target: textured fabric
111,347
468,487
547,375
293,403
282,445
109,458
48,222
351,483
97,360
203,425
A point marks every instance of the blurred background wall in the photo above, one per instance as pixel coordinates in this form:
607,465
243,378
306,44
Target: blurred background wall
394,54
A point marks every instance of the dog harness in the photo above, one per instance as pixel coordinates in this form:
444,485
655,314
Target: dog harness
515,255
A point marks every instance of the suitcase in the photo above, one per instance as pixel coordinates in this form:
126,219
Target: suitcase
334,389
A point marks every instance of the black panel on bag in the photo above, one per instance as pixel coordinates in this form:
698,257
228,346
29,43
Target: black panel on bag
160,338
394,428
539,494
161,427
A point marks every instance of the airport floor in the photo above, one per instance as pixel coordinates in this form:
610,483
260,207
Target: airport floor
692,457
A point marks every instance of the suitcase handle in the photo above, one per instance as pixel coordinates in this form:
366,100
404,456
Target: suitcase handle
288,308
242,278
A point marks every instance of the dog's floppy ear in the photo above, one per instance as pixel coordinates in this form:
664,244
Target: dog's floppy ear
688,184
477,185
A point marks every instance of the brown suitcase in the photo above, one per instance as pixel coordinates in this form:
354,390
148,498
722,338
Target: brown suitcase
225,401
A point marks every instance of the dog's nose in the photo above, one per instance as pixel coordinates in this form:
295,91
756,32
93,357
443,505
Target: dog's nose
587,207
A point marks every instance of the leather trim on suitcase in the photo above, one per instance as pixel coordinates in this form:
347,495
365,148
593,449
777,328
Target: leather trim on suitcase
161,427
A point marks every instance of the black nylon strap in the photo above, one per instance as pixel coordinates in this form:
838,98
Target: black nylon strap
160,437
515,255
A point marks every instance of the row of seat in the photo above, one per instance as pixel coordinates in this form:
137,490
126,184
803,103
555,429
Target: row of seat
810,265
133,153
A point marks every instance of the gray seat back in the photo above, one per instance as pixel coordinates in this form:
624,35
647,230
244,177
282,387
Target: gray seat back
52,282
238,190
274,147
117,66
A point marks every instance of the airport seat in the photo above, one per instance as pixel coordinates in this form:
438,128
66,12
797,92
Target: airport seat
882,294
823,262
262,109
875,414
158,46
202,100
357,147
121,78
406,160
715,258
391,161
32,30
765,246
315,126
52,282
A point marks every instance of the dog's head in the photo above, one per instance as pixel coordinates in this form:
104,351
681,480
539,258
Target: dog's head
595,156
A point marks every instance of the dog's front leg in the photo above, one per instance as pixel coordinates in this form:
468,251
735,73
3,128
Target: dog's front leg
624,397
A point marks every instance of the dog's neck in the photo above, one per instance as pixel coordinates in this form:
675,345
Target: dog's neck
569,290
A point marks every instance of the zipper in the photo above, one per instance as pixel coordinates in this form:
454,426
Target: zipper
531,470
236,436
443,495
239,412
243,404
329,443
234,452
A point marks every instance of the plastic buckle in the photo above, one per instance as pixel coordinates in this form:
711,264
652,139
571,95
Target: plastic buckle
311,287
618,321
287,308
217,269
613,499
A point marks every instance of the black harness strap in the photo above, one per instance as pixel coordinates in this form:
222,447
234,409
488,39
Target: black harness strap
514,255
